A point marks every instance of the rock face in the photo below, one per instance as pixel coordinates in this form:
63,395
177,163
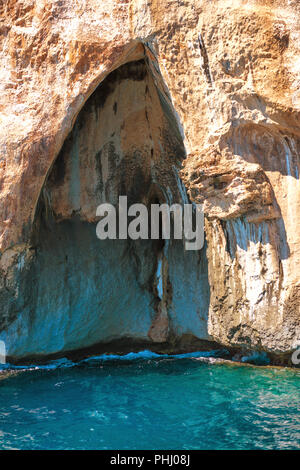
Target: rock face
163,102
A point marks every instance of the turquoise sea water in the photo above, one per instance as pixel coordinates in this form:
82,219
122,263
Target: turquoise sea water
148,402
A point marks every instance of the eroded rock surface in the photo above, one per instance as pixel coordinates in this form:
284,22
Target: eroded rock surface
160,101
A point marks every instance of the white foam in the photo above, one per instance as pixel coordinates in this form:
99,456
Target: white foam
141,355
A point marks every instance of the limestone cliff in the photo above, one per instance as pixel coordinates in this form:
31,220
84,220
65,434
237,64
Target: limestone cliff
164,101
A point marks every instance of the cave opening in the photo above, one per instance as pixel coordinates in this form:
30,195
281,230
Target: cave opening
87,292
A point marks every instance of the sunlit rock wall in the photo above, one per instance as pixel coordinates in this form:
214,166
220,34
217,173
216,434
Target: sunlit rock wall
227,79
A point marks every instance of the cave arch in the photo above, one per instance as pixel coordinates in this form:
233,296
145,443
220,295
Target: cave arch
86,292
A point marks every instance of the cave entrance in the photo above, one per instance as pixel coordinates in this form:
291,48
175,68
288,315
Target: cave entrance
125,141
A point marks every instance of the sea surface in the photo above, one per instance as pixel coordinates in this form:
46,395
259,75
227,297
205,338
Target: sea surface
147,401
